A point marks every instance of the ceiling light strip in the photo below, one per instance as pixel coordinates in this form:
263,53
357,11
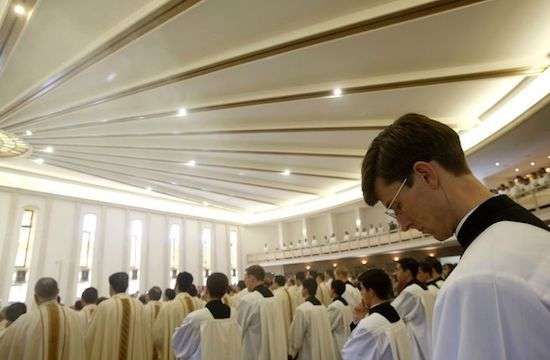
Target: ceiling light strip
12,27
394,85
215,132
215,151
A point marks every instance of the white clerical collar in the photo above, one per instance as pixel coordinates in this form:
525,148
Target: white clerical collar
457,230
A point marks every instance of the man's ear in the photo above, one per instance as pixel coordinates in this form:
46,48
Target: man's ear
426,172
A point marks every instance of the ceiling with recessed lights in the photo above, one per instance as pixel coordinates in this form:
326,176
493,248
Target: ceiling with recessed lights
246,105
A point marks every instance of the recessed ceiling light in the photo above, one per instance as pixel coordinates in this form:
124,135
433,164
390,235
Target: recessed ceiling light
337,92
497,164
20,10
148,188
308,267
548,157
48,149
396,258
516,170
111,77
286,172
205,203
532,163
364,261
191,163
182,111
38,161
547,169
28,133
432,254
334,264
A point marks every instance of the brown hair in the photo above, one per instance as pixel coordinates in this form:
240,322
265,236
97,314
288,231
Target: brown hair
257,271
411,138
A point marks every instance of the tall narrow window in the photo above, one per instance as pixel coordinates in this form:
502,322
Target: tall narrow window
136,234
174,236
206,258
87,239
233,256
18,290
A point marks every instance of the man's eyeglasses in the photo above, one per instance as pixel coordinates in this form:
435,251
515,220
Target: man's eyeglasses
390,211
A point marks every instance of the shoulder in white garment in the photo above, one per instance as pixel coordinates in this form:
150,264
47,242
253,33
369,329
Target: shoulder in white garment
368,340
501,283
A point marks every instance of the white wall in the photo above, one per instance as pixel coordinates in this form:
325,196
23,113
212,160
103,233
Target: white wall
57,239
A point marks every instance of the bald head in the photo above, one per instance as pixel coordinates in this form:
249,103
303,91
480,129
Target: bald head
46,289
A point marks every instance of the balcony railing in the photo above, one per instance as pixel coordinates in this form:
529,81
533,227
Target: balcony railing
536,199
356,243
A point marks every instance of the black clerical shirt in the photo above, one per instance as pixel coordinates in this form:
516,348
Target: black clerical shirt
496,209
262,289
218,309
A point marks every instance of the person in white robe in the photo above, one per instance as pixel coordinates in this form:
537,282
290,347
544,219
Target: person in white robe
415,306
210,333
49,331
340,315
495,304
437,273
378,333
243,290
324,293
282,294
259,314
169,295
89,307
12,313
498,295
153,306
426,276
310,336
119,329
296,290
352,294
172,314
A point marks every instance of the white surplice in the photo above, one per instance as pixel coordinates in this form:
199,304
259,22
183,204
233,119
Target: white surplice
375,338
496,303
170,316
340,316
323,294
310,334
238,297
352,296
51,331
415,307
262,327
87,314
297,297
119,330
285,300
201,337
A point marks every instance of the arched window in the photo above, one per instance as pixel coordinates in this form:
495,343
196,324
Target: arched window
234,257
136,234
18,290
174,237
87,239
206,253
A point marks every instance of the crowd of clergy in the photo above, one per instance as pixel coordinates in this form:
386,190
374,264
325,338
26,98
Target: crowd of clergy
311,315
